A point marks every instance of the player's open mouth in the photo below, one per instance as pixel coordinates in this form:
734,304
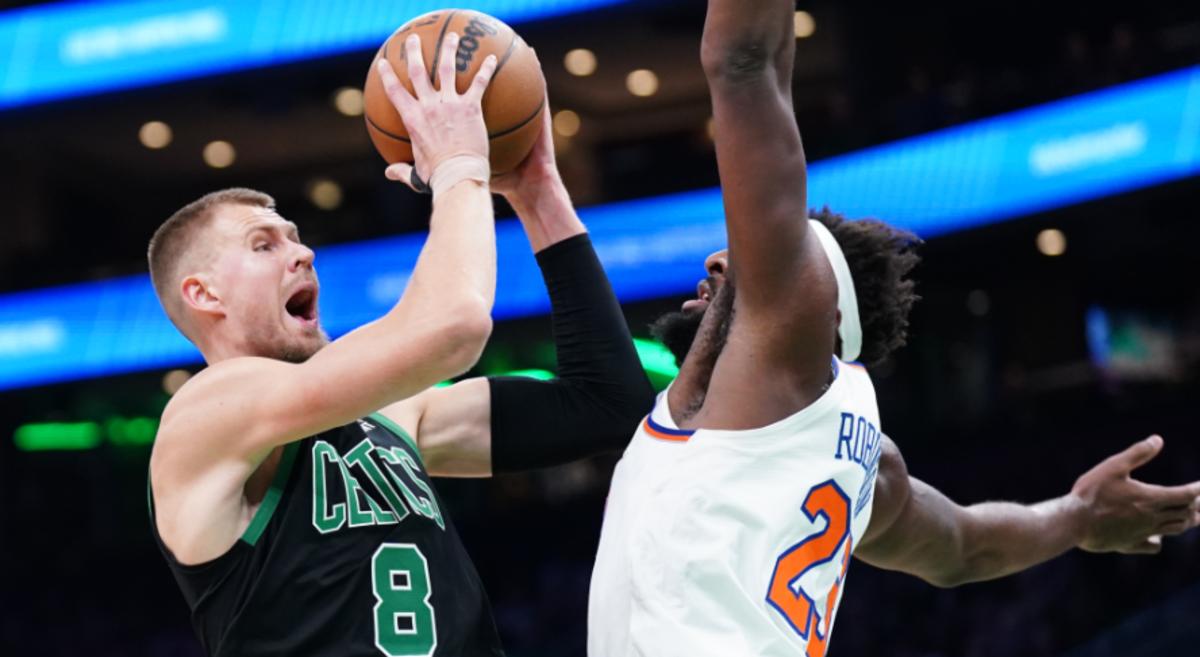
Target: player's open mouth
703,297
302,305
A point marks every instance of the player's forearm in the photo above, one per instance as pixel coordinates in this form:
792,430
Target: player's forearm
1002,538
747,53
459,259
602,391
545,210
746,38
454,279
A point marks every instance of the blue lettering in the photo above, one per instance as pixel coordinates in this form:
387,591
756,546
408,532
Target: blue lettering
844,434
860,435
861,440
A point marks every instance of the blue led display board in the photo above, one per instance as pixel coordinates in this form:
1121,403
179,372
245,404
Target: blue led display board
76,48
1066,152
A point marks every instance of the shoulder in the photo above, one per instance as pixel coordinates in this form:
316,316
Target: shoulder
193,417
892,491
216,386
207,380
891,462
891,484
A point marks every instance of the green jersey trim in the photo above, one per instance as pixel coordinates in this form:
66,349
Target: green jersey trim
258,524
395,428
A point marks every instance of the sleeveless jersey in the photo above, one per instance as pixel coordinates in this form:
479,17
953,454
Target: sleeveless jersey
736,542
349,554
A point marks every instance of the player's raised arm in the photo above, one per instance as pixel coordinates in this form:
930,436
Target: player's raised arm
236,411
747,52
502,424
917,530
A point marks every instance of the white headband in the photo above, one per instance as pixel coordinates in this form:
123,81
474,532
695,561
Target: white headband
850,329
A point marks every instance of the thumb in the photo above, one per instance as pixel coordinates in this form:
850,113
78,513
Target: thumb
407,174
1140,453
398,172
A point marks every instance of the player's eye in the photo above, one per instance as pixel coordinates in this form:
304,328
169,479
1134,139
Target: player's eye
262,246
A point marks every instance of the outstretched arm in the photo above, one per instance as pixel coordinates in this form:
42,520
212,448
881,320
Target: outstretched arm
917,530
483,426
786,295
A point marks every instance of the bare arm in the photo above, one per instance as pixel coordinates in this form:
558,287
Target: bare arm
785,308
917,530
747,52
537,194
224,422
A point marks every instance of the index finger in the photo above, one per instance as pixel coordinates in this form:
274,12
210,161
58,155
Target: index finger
1169,496
447,61
392,86
416,67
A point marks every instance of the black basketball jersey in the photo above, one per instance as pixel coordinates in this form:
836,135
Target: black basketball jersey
350,553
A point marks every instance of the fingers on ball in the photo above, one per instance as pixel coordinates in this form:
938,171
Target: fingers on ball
446,65
483,77
416,66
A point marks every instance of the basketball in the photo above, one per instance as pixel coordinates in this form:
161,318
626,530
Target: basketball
512,105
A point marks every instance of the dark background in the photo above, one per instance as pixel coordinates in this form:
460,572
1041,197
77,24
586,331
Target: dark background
995,397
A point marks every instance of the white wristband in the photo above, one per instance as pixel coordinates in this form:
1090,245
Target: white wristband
457,169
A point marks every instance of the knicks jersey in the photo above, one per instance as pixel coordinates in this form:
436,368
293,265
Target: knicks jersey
349,554
736,542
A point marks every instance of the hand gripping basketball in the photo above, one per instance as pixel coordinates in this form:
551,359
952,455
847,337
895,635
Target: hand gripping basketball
442,124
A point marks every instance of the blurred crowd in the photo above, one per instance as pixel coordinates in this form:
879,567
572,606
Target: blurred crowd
928,93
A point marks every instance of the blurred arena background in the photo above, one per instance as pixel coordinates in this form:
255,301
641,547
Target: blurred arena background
1047,152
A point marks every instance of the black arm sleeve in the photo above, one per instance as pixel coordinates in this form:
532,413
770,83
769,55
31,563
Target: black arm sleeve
601,392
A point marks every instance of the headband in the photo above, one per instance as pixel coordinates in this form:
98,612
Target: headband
850,328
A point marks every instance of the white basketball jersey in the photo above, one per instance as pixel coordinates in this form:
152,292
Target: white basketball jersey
731,543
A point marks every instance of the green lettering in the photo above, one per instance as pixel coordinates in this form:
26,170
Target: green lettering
361,456
326,518
426,506
358,516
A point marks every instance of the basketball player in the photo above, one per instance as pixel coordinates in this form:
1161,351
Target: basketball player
290,480
734,511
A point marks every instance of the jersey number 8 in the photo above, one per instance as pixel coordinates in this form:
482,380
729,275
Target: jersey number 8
404,621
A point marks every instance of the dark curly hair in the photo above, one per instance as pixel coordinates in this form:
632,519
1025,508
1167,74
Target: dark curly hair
880,258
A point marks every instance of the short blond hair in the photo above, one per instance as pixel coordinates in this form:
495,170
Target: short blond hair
176,238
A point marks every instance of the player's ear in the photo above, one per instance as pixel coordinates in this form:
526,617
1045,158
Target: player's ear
200,294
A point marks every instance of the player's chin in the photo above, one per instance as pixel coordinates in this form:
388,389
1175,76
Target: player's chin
300,350
315,337
305,336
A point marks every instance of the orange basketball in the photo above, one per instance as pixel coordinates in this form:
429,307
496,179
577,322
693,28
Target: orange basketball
512,105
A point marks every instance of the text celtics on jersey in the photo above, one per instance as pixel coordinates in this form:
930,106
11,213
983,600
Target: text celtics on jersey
380,486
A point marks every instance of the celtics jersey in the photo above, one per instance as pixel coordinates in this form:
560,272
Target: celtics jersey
349,554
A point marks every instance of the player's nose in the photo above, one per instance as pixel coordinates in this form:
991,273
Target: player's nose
717,263
302,257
